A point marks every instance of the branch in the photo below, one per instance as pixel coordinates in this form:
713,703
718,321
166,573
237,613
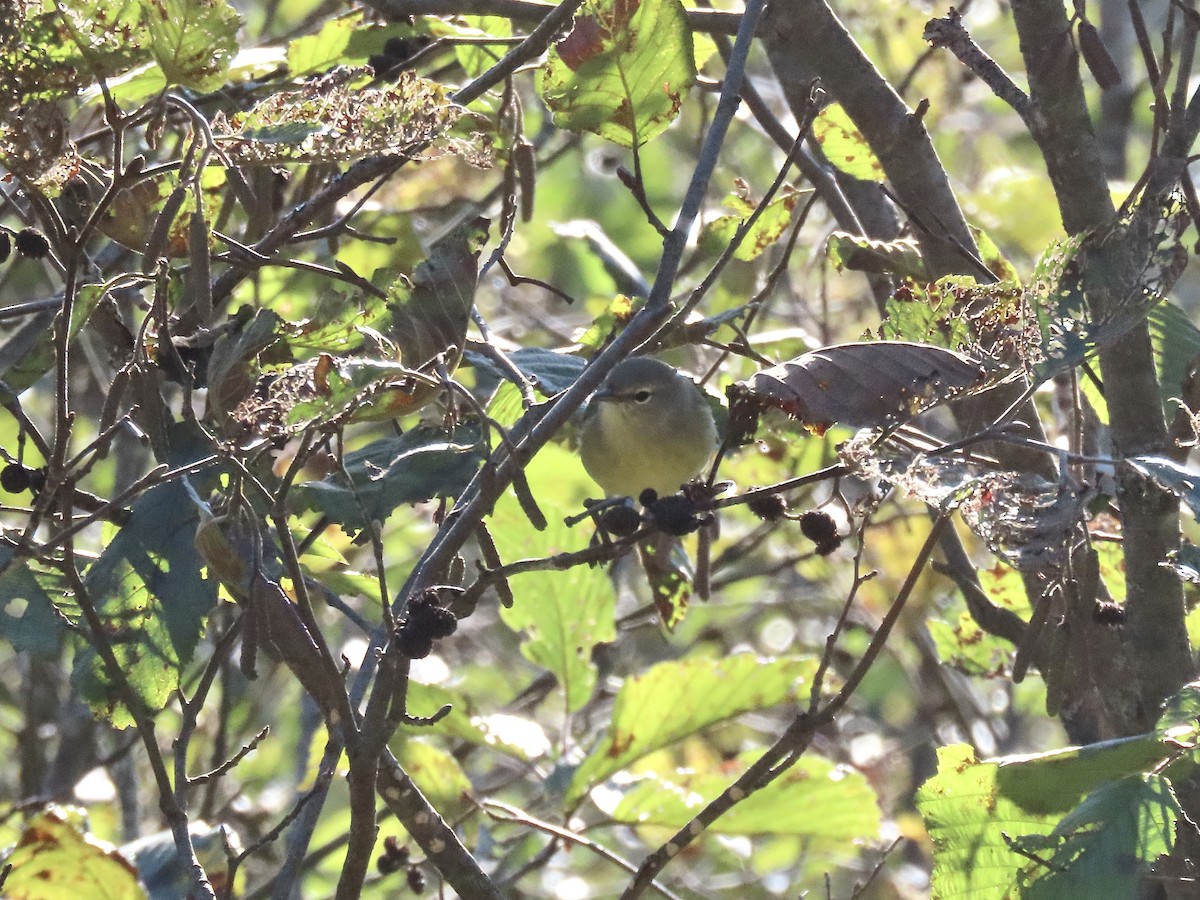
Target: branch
1155,629
709,21
502,812
795,740
804,38
432,833
948,32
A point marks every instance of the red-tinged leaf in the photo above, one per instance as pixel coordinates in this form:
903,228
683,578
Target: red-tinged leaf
669,573
622,70
860,385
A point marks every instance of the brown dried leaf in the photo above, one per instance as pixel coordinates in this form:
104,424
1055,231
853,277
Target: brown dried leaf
860,385
1095,54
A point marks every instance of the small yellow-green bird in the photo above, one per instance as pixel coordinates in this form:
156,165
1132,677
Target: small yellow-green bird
648,426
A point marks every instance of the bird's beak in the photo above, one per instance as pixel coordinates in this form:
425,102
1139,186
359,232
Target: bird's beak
604,394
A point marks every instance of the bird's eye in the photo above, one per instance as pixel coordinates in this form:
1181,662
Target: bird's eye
642,396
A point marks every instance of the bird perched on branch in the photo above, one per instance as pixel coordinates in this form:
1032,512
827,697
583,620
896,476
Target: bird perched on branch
649,431
648,427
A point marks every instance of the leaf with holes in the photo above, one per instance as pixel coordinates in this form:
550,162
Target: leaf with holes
716,235
622,71
861,385
327,120
1088,292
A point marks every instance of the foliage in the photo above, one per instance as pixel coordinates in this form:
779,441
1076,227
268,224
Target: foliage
302,310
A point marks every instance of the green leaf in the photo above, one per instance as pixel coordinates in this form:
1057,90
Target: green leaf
234,353
845,145
860,254
995,261
56,859
324,564
193,41
514,736
825,803
420,464
438,775
338,324
476,59
716,235
551,370
963,644
28,353
678,698
430,311
562,616
968,648
150,590
1105,847
1176,343
974,809
27,617
622,71
1181,711
669,575
135,625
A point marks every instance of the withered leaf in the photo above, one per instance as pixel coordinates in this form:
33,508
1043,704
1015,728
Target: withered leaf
1099,61
431,310
861,385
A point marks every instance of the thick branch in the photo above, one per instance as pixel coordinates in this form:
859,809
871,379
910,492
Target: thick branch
1155,626
804,38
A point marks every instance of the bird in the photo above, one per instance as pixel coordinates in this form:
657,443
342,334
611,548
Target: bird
647,427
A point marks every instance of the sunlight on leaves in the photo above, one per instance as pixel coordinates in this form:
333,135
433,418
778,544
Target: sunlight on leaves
56,858
561,615
845,145
978,811
328,120
193,41
675,699
769,228
622,71
828,804
861,254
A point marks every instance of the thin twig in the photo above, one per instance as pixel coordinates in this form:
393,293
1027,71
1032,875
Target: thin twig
503,812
